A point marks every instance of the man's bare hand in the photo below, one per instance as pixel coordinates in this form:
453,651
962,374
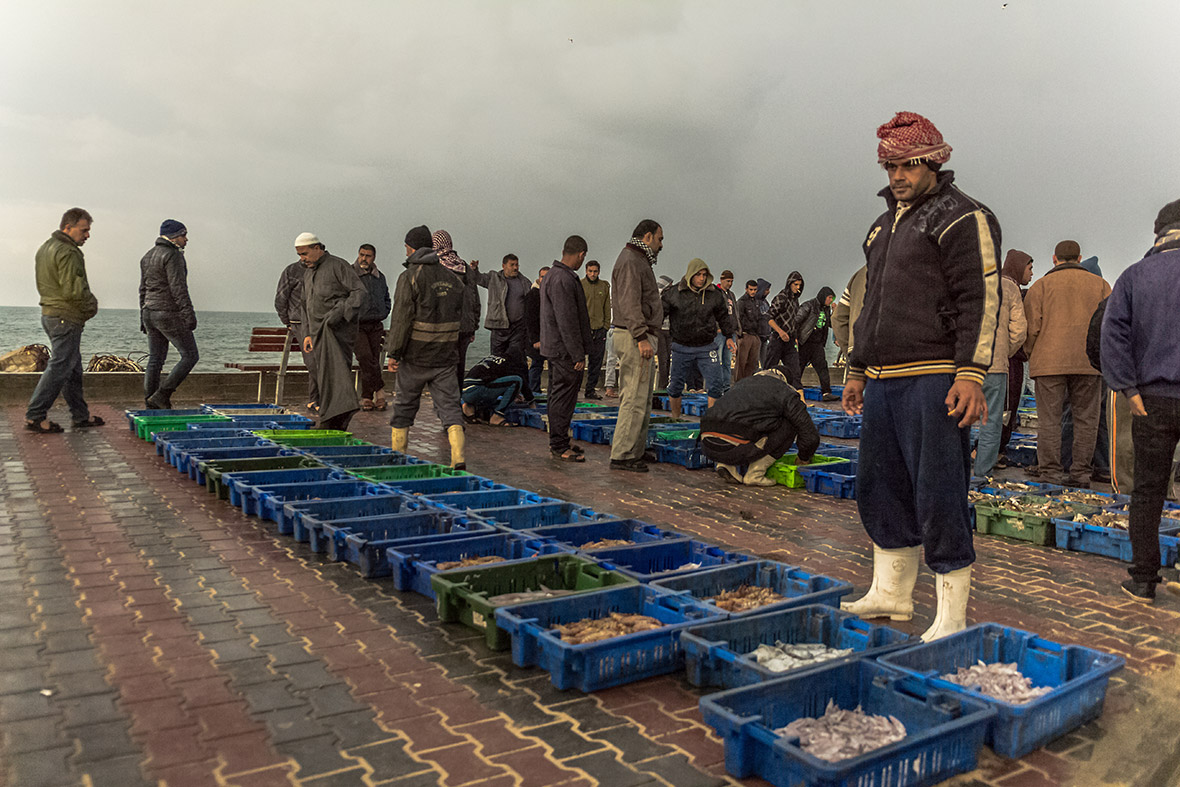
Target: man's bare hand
853,400
536,345
732,345
307,345
579,366
645,350
1137,407
966,402
391,365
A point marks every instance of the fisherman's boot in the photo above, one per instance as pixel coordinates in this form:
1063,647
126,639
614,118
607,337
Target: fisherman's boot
953,591
458,441
756,472
399,439
728,472
892,593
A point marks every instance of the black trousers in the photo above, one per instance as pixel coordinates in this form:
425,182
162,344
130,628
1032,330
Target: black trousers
465,340
369,340
594,364
813,353
727,453
563,398
786,355
1155,435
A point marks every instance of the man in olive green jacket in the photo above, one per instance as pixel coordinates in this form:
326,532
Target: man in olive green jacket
66,305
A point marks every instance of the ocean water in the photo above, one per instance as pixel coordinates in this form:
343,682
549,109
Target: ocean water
222,337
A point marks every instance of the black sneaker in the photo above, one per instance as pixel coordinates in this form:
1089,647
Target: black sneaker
650,456
631,465
592,395
1140,591
830,397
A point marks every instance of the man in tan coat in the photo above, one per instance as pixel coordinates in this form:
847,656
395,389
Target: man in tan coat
1058,307
846,310
1011,330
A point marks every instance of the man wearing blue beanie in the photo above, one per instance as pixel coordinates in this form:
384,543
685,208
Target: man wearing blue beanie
166,313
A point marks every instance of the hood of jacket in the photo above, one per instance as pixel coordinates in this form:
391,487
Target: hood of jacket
423,256
763,288
792,277
695,266
1091,264
1014,264
823,294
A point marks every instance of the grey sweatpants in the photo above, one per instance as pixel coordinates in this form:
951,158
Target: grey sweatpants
444,392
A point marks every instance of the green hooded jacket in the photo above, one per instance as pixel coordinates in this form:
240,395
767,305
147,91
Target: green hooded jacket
61,280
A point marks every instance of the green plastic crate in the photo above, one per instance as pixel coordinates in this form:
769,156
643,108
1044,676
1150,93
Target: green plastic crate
383,473
297,437
785,472
678,434
463,593
214,469
996,520
147,425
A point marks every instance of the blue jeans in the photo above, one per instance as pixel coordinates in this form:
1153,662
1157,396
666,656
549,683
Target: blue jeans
704,358
164,328
63,374
915,465
987,450
726,363
495,396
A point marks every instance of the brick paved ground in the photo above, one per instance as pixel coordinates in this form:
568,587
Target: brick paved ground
152,635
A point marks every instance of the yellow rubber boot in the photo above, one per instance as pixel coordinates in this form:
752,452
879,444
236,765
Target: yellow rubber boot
458,442
399,438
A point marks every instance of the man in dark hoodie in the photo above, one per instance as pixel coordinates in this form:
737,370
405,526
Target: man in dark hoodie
423,343
166,313
784,309
696,312
749,321
811,326
1141,360
764,331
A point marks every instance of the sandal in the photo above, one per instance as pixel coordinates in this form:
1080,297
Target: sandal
568,456
94,420
502,424
366,404
380,404
577,449
40,426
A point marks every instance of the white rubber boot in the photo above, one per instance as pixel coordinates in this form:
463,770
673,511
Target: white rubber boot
953,591
399,438
458,442
756,472
892,593
729,471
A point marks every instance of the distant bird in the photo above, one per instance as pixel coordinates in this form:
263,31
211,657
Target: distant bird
572,40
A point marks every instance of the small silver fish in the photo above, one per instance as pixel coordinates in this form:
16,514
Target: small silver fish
841,734
1005,682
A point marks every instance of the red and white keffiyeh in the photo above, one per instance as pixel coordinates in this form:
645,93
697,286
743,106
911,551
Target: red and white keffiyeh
908,137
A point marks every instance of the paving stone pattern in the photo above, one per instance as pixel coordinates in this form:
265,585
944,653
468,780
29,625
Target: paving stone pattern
151,634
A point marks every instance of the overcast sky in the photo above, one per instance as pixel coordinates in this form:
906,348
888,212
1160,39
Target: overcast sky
745,128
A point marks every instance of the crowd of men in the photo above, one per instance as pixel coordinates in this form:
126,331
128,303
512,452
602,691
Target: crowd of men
935,329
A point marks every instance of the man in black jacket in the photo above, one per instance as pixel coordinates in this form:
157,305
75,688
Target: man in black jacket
489,388
754,424
749,316
924,341
371,333
532,324
289,307
696,312
166,314
783,349
811,326
565,341
423,343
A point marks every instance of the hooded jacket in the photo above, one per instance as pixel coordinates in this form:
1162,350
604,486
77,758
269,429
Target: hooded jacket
784,309
1058,308
932,296
695,316
814,318
163,282
428,306
61,280
764,307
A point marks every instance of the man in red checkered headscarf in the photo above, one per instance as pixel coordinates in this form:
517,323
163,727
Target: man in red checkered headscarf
923,346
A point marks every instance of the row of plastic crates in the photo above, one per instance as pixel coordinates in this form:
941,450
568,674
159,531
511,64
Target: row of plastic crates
144,423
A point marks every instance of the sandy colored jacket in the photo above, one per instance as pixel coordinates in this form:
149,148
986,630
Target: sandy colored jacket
1011,328
1058,308
848,308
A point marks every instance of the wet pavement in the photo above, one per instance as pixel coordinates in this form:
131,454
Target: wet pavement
152,634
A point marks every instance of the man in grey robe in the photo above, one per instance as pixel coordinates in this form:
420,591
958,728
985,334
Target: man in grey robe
333,299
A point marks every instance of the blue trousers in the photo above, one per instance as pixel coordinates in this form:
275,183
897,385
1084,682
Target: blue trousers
915,465
164,328
495,396
63,374
703,358
987,451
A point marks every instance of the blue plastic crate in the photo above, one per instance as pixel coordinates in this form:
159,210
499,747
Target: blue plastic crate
1115,542
576,535
609,662
174,449
212,406
537,515
1077,675
840,482
370,459
533,418
451,483
847,426
162,440
717,654
241,484
131,415
592,431
799,587
488,498
326,451
1022,454
694,407
364,542
817,394
686,453
838,451
414,563
306,518
647,562
270,501
944,730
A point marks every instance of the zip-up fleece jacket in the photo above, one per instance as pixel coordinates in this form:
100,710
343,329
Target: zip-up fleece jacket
695,316
163,282
61,280
597,302
784,309
749,315
496,283
428,305
1140,334
932,296
636,306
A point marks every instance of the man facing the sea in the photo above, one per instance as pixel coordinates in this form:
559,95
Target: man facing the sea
333,299
66,305
166,313
925,357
